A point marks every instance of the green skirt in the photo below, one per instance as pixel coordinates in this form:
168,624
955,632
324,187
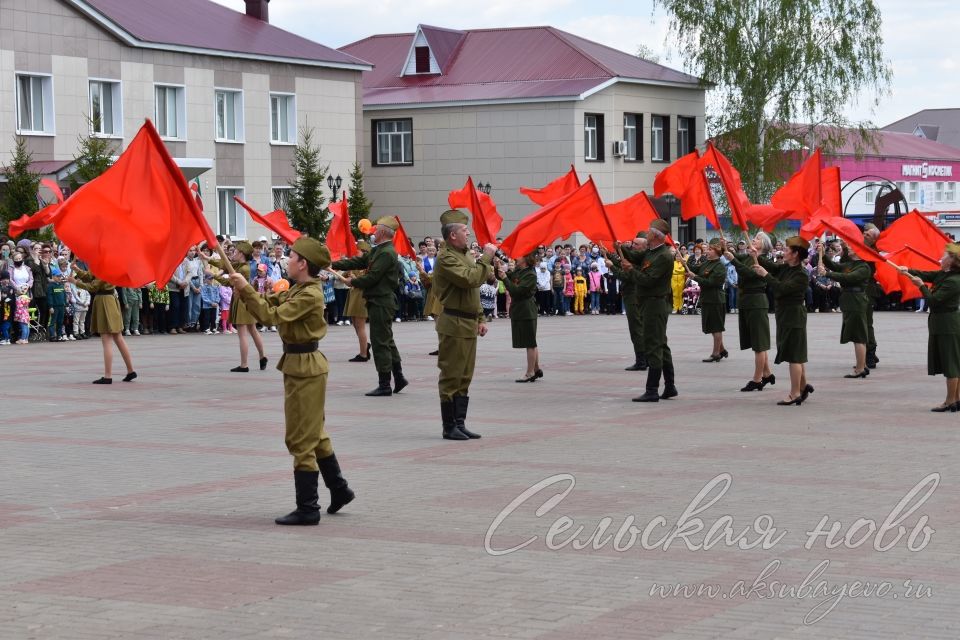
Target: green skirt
524,333
856,327
754,327
943,355
713,318
791,340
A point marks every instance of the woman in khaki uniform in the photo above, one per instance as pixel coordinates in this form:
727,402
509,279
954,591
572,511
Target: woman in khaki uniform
356,310
242,320
105,320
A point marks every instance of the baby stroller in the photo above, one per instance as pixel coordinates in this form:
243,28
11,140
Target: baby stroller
38,332
691,299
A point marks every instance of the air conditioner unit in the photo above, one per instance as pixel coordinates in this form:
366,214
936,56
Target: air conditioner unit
619,148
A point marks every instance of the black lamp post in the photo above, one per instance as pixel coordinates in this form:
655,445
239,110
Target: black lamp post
334,184
485,188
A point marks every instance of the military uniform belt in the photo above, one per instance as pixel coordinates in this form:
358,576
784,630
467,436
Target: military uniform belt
948,310
854,289
301,347
460,314
749,291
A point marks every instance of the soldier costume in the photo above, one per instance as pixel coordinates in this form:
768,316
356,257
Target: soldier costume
753,316
298,314
854,277
240,318
633,305
105,321
711,275
521,284
873,291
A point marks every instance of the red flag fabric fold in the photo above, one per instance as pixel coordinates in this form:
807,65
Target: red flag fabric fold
340,240
686,180
276,221
916,230
401,242
564,185
41,218
892,280
581,210
485,217
629,216
851,235
732,185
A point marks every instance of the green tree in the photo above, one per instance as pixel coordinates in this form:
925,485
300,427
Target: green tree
357,202
773,63
94,156
307,207
20,194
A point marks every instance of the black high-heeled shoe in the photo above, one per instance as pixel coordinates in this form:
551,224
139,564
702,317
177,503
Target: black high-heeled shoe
753,386
263,363
538,373
532,378
716,357
770,379
797,401
807,390
863,374
952,408
724,354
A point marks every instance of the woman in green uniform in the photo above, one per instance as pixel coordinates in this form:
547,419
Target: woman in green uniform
521,284
356,310
943,344
711,274
753,315
105,320
242,320
854,275
789,282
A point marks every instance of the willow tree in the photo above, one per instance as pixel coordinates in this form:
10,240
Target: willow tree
776,64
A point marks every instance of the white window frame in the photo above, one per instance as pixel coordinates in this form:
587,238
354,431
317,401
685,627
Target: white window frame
656,138
913,194
238,116
870,193
291,118
223,223
48,107
590,137
631,154
388,138
683,129
273,195
937,192
116,105
181,95
950,192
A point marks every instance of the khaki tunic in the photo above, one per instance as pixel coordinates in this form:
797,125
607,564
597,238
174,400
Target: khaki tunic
431,306
356,306
238,313
105,316
298,316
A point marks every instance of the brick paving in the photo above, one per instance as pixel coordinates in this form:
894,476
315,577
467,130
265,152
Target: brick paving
146,510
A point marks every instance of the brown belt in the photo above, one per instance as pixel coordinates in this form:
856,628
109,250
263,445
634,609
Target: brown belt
460,314
302,347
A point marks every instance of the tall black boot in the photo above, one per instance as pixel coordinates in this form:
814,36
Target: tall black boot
450,430
383,389
308,511
636,366
340,494
460,404
642,359
399,382
653,384
872,359
669,387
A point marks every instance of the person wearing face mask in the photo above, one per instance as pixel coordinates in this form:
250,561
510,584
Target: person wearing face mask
6,259
21,275
39,263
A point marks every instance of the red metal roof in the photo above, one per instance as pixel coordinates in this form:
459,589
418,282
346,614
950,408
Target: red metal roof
207,25
443,43
893,144
496,64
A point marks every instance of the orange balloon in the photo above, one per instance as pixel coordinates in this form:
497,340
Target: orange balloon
364,226
281,285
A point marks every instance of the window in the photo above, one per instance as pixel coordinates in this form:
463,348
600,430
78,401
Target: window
171,114
105,109
686,135
871,192
632,134
593,137
914,196
659,138
281,198
229,106
283,118
34,104
423,59
950,193
393,142
229,221
938,192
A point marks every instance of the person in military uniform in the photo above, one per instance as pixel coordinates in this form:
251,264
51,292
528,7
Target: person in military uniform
943,323
651,277
356,310
431,306
106,321
753,316
456,281
298,314
789,281
242,320
521,284
632,304
379,285
854,276
870,236
711,275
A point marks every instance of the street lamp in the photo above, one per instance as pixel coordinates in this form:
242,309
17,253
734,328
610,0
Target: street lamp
334,184
485,188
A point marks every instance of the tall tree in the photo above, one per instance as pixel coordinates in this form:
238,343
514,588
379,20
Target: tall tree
94,156
307,208
357,202
20,195
781,62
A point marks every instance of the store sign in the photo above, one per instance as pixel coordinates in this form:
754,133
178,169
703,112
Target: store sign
926,170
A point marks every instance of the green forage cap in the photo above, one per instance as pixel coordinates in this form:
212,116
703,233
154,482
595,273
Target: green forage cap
454,216
313,250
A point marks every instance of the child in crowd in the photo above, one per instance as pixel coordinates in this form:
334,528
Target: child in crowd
488,297
160,306
21,316
579,291
209,303
132,303
226,296
81,304
595,286
567,291
8,305
57,299
264,285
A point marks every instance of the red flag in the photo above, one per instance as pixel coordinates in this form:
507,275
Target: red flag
916,230
134,223
801,196
685,180
892,280
564,185
830,198
401,241
851,235
732,185
486,219
41,218
340,240
276,221
581,211
631,215
195,188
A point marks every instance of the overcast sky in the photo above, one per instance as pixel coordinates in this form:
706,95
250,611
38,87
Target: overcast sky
917,34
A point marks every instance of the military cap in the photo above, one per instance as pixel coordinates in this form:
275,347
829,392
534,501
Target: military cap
243,247
453,216
642,234
660,225
312,250
363,245
389,221
953,249
717,244
797,242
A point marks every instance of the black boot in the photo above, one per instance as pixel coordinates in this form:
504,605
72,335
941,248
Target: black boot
636,366
669,388
308,511
653,384
340,494
399,382
872,359
383,389
642,359
460,404
450,430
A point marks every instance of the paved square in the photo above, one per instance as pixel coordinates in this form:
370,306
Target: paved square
146,510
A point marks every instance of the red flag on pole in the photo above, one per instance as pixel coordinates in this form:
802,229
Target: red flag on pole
41,218
564,185
581,210
629,216
892,280
485,217
851,235
340,240
401,241
916,230
686,180
276,221
732,185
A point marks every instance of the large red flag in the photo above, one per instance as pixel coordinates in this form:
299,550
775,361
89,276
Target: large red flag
851,235
134,223
486,219
732,185
801,196
276,221
581,211
401,241
564,185
629,216
340,240
41,218
892,280
916,230
686,180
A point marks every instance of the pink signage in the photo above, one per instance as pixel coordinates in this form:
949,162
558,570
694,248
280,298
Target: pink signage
896,169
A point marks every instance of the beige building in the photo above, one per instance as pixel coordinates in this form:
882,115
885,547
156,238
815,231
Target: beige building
227,91
514,108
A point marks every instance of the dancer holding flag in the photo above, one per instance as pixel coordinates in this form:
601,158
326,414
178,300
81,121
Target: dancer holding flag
711,276
105,320
855,276
521,284
754,315
240,318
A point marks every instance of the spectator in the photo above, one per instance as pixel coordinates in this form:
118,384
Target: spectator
39,262
209,304
595,285
544,293
160,306
340,293
194,271
579,291
21,317
278,263
558,283
732,285
57,299
132,303
488,297
22,275
678,280
81,304
568,291
226,297
176,290
8,304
